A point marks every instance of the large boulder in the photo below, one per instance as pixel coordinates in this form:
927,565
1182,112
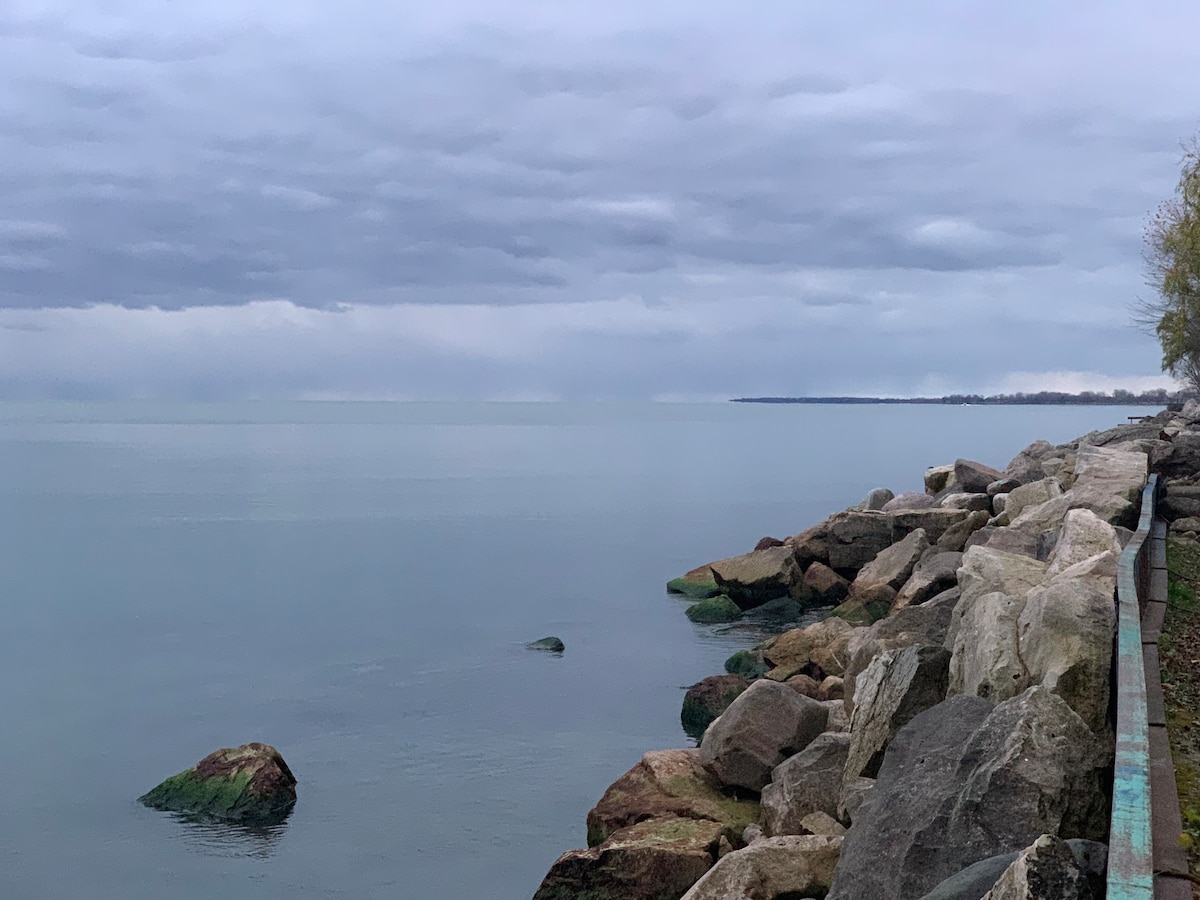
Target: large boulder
772,869
817,650
936,572
876,498
250,784
894,565
1033,493
760,729
668,784
964,781
658,859
1083,534
812,544
714,610
935,522
938,479
978,878
985,570
1046,870
809,782
986,659
1107,481
973,477
966,501
752,579
1026,466
823,586
954,539
707,699
854,538
896,687
866,605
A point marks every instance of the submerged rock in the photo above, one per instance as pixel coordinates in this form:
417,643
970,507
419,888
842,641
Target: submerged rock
549,644
714,610
250,784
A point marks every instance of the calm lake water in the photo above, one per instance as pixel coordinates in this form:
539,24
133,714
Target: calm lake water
354,584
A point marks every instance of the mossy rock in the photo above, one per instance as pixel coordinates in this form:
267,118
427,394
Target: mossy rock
250,784
707,699
859,611
548,644
714,610
781,609
699,584
748,663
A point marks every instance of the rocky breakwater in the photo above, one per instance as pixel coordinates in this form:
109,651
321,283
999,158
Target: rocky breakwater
946,725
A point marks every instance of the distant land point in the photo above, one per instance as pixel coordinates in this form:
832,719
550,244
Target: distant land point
1160,397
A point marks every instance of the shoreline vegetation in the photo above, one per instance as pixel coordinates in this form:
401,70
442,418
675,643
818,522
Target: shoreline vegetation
1161,397
945,730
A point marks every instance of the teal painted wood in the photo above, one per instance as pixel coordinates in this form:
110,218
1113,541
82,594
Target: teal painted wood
1130,848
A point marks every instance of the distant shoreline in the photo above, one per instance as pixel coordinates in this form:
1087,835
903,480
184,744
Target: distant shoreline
1040,399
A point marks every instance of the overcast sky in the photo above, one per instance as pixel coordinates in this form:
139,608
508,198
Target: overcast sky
524,199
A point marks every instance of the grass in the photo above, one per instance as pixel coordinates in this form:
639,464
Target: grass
1179,659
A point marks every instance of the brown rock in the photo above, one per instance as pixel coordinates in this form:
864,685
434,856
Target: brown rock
817,649
754,578
823,586
973,477
807,686
767,543
954,538
707,699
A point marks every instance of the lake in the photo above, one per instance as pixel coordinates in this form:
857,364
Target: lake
354,583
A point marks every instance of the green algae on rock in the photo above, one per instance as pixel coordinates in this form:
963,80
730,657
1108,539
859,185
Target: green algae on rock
714,610
699,584
250,784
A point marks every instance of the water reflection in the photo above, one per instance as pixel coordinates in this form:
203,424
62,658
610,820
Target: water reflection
216,838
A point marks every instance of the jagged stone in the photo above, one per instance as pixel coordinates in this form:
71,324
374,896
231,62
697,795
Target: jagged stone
964,781
854,794
868,605
822,823
974,477
754,578
972,502
890,693
1083,534
978,878
1046,870
810,781
876,499
1033,493
250,784
938,479
823,586
855,538
817,649
892,566
698,584
909,500
707,699
1002,486
1026,466
761,728
936,572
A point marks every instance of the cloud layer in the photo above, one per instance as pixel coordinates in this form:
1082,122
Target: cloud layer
530,199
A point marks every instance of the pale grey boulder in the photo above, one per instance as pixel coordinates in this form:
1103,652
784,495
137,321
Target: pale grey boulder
897,686
967,501
809,782
978,878
1033,493
786,866
1026,466
1083,534
765,725
936,572
938,479
1002,486
822,823
1046,870
854,794
954,539
986,660
894,565
964,781
909,500
1000,503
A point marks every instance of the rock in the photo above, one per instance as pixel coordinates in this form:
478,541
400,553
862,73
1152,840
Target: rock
1066,629
890,693
766,543
667,784
754,578
935,573
1002,486
822,823
1000,503
659,859
854,793
924,625
973,477
935,522
823,586
250,784
778,611
707,699
985,570
1183,458
955,537
855,538
761,728
838,720
1175,506
808,782
1053,466
909,500
778,867
832,688
866,606
938,478
1186,524
978,878
714,610
698,583
1046,870
1083,534
817,650
1026,466
805,685
812,544
1033,493
1031,542
969,502
892,566
986,659
748,663
876,499
964,781
752,833
548,644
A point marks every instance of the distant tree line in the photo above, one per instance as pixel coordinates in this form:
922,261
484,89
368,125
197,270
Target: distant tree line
1119,397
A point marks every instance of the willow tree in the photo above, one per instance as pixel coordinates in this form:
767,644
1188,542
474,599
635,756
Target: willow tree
1172,255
